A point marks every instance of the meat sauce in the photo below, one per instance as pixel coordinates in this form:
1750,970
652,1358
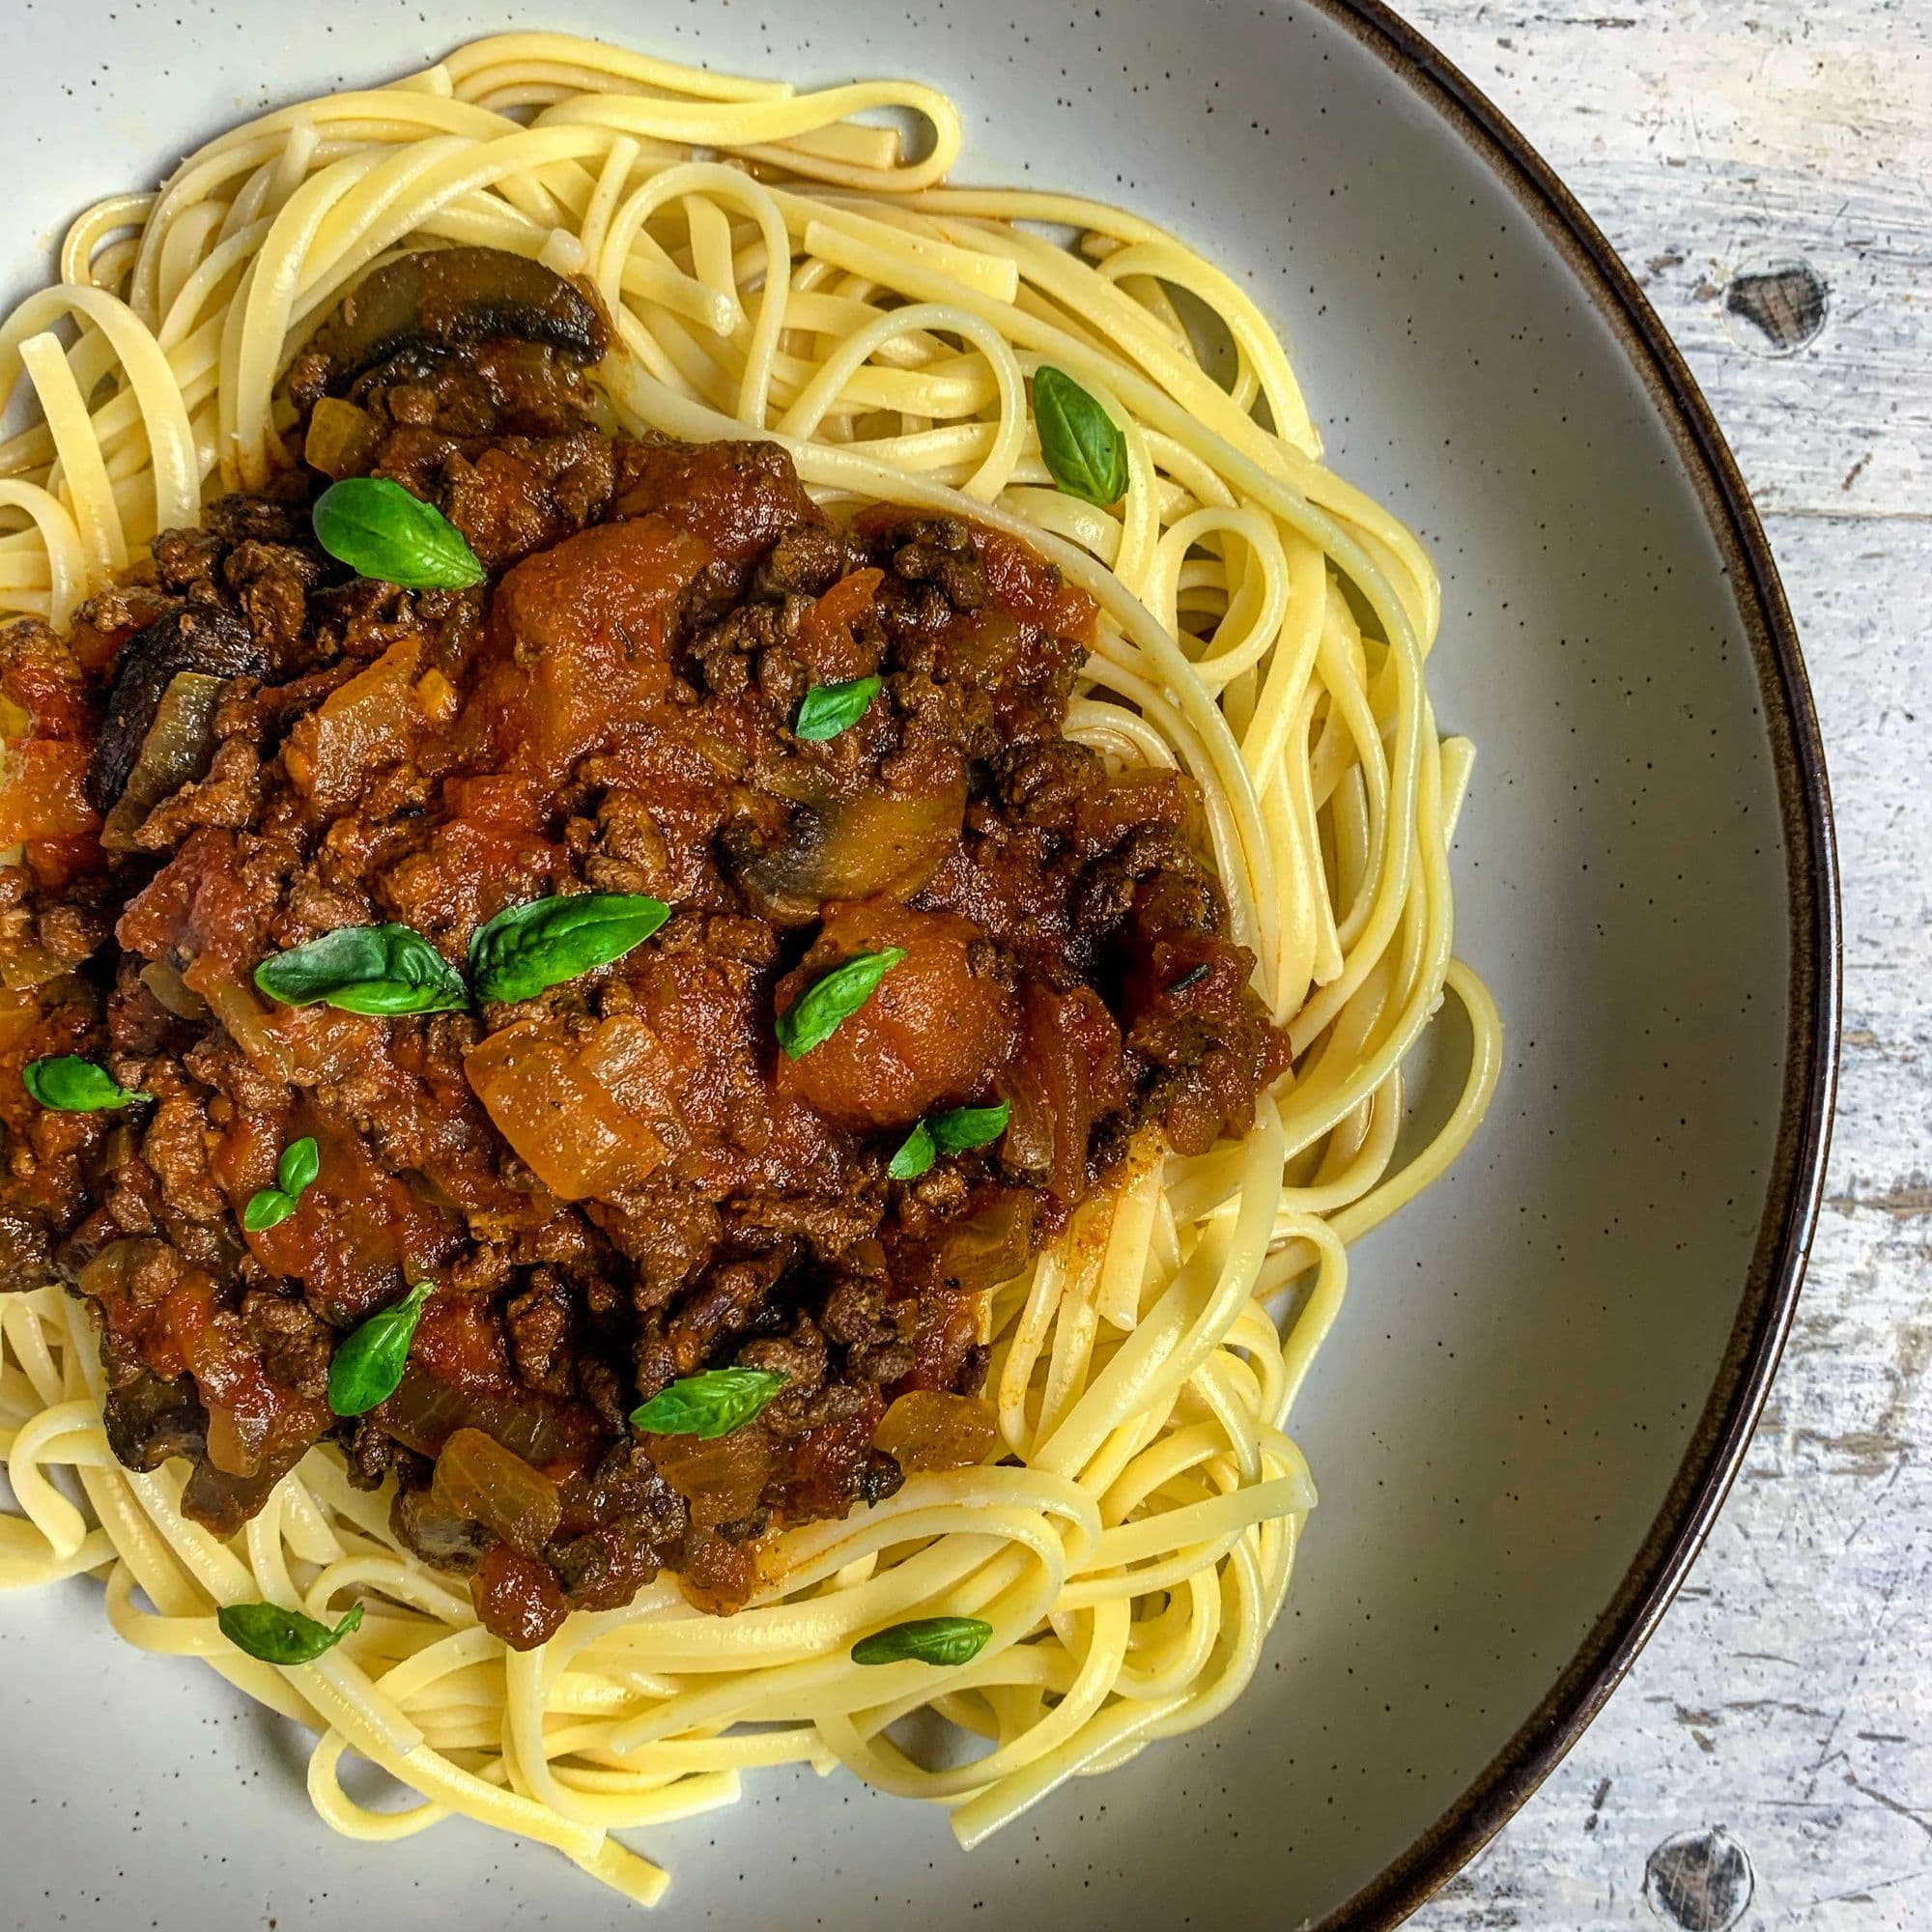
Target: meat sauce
622,1182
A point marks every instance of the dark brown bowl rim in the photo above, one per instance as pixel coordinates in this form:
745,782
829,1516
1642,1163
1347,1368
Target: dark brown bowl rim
1797,1180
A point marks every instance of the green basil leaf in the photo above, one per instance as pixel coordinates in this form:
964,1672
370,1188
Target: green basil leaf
1191,978
709,1404
943,1641
267,1208
525,949
380,531
365,969
965,1128
282,1636
71,1085
829,709
368,1361
299,1166
1084,451
814,1017
915,1154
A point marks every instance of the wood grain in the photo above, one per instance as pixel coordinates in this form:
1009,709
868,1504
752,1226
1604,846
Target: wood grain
1769,1762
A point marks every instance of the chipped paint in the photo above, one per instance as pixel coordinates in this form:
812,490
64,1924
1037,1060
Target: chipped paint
1783,306
1701,1880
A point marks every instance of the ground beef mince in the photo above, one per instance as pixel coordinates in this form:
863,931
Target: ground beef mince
624,1180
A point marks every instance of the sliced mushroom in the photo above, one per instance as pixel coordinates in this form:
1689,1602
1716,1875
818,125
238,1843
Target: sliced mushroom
442,297
179,747
874,846
197,638
222,1503
150,1419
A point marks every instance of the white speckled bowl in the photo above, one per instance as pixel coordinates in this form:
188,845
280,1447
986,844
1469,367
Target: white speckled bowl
1547,1368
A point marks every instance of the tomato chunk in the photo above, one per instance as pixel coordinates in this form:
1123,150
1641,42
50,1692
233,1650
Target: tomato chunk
932,1035
588,621
43,789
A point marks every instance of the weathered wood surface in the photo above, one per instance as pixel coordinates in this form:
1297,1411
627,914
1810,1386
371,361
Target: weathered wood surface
1769,1762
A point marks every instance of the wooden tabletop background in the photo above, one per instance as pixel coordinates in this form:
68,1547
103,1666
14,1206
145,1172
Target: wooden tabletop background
1765,168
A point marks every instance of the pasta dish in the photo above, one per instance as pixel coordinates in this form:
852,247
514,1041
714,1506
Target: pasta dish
718,865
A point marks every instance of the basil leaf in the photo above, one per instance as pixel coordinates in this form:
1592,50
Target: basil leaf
282,1636
1084,451
267,1208
914,1156
299,1166
528,947
829,709
365,969
368,1361
71,1085
709,1404
380,531
814,1017
1191,978
945,1640
965,1128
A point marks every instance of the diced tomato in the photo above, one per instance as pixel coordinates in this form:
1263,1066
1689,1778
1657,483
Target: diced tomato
825,640
253,1422
460,1343
730,495
202,902
41,676
359,729
1065,1075
588,621
1024,582
44,791
1106,813
932,1034
95,649
56,863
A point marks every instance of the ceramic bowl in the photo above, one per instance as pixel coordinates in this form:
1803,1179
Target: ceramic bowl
1548,1367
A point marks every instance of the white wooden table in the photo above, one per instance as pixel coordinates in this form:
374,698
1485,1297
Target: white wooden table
1769,1762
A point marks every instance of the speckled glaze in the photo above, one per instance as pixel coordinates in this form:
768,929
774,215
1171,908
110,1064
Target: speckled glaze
1548,1367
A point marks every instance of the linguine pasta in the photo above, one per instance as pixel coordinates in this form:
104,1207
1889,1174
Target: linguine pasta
774,265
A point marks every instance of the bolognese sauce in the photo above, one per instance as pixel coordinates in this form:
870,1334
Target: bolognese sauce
631,1177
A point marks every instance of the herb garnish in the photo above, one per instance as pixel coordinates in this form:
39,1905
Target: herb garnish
365,969
815,1016
914,1156
829,709
269,1206
380,531
71,1085
711,1404
943,1641
953,1131
529,948
1083,449
368,1361
282,1636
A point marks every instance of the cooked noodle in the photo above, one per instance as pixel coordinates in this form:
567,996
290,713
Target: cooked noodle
773,265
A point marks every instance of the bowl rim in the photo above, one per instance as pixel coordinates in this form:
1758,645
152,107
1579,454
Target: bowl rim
1797,1180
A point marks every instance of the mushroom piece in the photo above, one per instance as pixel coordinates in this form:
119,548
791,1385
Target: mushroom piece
179,747
873,844
442,297
197,638
148,1418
